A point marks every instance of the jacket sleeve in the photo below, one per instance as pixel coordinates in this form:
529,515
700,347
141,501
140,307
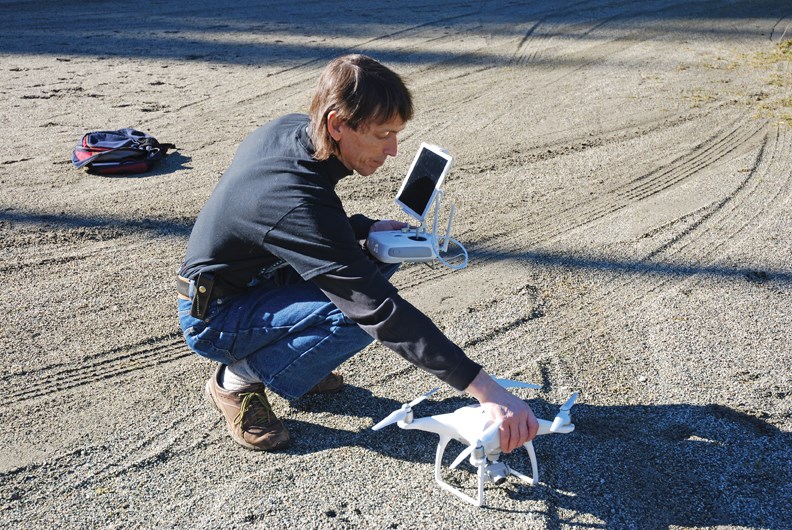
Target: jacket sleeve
364,295
360,225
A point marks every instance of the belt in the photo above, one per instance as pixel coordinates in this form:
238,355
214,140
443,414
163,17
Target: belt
183,287
186,289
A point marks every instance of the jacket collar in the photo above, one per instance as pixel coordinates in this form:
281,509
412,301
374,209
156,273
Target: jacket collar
332,167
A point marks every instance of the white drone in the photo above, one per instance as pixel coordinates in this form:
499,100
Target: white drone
470,425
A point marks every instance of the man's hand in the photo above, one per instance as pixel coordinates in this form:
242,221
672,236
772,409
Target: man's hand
387,224
519,423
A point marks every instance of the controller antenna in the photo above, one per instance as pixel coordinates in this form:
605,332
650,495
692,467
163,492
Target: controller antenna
448,228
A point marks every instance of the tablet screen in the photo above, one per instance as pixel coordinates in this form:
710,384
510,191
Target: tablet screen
420,186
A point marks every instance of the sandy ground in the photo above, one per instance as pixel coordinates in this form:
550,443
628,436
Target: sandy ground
623,181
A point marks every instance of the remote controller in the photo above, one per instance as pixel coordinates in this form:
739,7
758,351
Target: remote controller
395,246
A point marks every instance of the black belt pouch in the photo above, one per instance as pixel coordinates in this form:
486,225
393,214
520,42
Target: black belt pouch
204,285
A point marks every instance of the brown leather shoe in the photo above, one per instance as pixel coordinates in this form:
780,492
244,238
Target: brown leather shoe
248,414
332,383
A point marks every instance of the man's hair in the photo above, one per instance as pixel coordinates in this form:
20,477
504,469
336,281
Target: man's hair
361,91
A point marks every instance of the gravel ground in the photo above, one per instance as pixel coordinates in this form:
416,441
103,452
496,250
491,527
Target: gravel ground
623,183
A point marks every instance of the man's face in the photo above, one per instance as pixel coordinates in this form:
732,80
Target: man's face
365,150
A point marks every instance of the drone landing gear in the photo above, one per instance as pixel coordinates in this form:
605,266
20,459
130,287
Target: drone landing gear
489,470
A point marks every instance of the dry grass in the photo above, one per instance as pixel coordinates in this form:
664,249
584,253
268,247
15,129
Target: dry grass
778,61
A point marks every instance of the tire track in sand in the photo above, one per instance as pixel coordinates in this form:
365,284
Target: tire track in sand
112,364
757,195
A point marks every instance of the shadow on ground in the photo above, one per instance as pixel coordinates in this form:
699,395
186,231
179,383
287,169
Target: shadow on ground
181,227
629,466
261,32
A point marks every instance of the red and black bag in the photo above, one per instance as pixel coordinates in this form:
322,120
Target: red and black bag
121,151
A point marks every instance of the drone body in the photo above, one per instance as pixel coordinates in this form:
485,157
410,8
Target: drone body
470,425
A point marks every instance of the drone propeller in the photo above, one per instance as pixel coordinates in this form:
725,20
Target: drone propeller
511,383
563,418
485,437
569,402
422,397
402,413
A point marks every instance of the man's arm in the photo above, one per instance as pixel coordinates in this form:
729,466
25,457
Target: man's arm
387,224
365,296
362,225
519,423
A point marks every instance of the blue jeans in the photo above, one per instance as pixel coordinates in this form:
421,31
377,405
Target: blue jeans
291,335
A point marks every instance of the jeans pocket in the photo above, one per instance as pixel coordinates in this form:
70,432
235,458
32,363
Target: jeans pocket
212,344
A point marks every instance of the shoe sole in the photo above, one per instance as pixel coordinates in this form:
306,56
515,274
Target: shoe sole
329,390
326,391
230,430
